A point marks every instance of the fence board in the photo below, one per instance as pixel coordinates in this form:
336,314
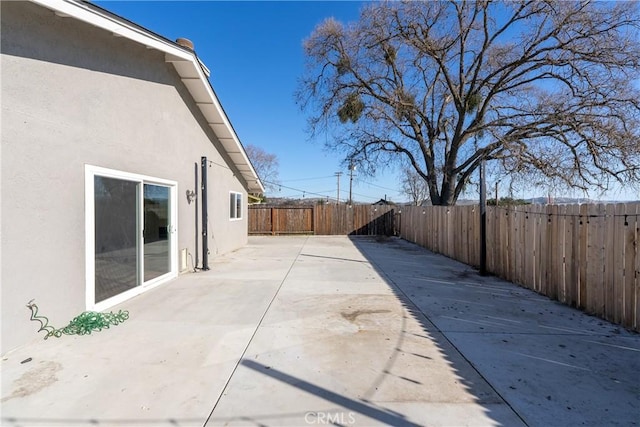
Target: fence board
583,280
575,250
571,237
260,221
528,249
554,260
491,237
583,255
609,250
618,262
518,246
541,256
474,242
502,249
562,253
280,221
322,220
635,272
598,271
509,215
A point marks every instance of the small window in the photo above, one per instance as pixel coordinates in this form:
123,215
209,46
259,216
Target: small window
235,205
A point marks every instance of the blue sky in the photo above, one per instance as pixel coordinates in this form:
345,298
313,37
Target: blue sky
254,52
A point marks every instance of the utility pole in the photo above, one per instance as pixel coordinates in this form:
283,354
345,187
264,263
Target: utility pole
337,174
352,167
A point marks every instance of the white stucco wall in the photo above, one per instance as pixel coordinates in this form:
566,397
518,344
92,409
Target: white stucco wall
74,95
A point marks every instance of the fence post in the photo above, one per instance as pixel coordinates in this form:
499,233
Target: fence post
483,220
273,227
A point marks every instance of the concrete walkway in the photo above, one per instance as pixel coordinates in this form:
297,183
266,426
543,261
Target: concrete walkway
331,330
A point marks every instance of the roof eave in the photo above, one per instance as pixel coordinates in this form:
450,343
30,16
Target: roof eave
192,72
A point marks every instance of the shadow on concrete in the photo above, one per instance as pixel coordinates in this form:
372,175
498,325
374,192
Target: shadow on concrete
552,365
50,422
483,393
421,378
381,415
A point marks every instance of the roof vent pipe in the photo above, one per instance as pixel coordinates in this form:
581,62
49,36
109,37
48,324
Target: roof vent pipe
185,43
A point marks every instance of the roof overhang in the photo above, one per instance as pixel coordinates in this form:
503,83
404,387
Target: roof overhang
193,73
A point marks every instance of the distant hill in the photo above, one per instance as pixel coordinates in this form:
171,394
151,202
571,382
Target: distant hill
560,200
533,201
281,201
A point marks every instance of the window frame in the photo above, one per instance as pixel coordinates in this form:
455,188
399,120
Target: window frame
235,202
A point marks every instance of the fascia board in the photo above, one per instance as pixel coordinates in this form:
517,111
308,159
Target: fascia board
83,13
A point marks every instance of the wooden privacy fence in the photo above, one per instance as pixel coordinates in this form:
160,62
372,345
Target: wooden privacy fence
290,220
367,220
586,256
451,231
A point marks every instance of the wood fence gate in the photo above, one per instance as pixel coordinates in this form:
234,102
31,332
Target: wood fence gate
363,220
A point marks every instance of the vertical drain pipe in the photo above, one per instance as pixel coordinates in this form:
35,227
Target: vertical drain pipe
195,187
205,245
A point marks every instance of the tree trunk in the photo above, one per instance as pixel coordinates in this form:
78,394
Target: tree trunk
446,196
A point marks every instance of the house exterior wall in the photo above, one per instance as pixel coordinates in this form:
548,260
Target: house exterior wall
74,95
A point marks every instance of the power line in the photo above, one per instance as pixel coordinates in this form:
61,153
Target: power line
298,190
315,193
307,179
366,197
333,176
379,186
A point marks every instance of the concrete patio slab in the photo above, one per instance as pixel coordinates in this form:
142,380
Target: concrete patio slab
554,365
331,330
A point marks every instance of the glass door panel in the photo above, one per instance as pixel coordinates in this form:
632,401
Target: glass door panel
157,261
116,236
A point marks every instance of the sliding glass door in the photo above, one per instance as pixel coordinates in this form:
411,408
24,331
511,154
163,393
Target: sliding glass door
157,261
133,239
116,236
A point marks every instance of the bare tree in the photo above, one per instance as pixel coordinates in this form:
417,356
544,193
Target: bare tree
414,186
265,164
548,88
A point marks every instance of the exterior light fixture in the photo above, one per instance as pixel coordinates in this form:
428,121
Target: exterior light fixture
191,196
